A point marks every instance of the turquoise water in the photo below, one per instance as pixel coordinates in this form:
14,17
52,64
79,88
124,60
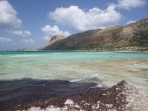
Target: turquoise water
108,67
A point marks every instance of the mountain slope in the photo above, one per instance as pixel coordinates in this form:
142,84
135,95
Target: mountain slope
53,41
133,36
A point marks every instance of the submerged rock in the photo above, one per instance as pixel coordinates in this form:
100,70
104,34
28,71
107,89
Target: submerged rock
25,93
73,96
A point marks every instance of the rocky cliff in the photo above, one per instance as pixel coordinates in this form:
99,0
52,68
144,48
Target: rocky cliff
53,41
130,37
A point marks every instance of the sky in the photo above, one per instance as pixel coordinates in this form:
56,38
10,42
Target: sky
31,23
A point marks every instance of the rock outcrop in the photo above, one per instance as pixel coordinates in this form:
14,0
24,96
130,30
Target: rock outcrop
130,37
53,41
58,95
121,97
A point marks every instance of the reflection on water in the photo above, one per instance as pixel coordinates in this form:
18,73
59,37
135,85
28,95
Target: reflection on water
106,66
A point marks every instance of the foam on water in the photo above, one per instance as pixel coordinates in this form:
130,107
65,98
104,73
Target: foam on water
87,79
75,80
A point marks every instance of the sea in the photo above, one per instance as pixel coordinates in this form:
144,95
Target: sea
106,68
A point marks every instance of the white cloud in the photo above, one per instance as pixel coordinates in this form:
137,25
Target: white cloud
50,31
5,39
8,16
28,41
127,4
46,37
131,21
24,33
81,20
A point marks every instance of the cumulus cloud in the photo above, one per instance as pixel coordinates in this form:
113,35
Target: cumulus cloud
81,20
24,33
50,31
46,37
127,4
130,21
8,16
28,41
5,39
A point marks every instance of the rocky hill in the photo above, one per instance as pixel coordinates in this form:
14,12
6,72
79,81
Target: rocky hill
130,37
53,41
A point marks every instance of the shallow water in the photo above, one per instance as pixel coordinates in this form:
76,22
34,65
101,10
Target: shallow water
108,67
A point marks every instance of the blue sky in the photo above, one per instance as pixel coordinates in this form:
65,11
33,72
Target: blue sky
31,23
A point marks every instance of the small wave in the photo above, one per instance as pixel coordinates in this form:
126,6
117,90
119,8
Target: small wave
140,66
99,85
56,53
9,67
75,80
95,75
93,78
26,55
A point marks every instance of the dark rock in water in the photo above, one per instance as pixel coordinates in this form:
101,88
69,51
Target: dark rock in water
23,93
57,95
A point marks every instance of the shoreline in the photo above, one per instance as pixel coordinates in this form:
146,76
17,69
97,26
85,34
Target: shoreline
97,49
76,51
